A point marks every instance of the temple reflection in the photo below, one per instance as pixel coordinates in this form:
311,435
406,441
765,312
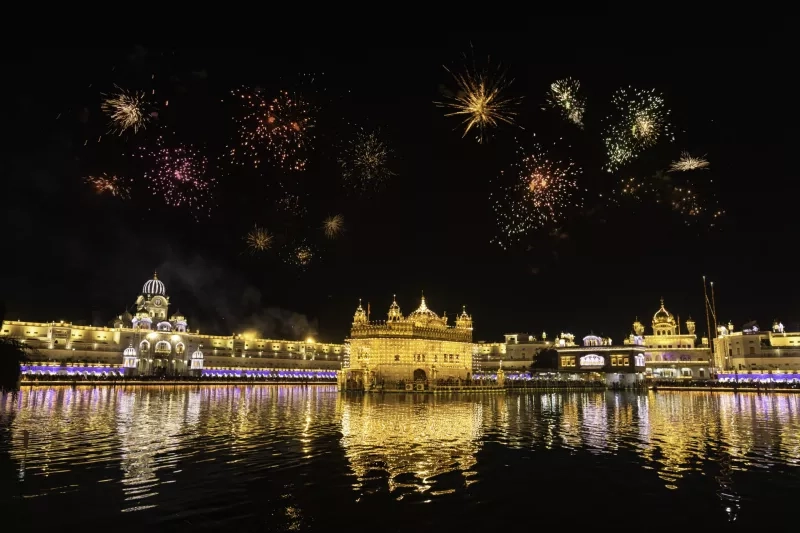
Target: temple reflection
149,430
410,439
51,423
137,441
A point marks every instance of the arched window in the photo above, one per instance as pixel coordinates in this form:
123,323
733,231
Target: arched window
397,357
144,346
164,326
163,347
592,361
180,348
639,359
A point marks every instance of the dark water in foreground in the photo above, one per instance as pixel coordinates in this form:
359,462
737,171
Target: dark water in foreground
294,458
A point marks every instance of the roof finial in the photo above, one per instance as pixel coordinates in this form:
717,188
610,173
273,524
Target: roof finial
155,274
662,301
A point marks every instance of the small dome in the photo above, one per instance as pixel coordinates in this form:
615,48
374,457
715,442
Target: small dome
197,354
394,311
154,286
360,317
130,351
463,320
177,317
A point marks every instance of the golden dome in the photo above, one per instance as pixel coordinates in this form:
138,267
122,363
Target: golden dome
423,316
663,316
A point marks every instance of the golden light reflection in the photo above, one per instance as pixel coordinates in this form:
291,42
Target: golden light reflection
411,439
137,439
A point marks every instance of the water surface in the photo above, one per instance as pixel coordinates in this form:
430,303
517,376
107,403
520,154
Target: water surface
296,458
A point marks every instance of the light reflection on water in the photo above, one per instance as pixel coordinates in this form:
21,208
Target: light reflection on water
221,455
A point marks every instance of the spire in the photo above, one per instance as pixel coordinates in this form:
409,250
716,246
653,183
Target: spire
155,274
422,306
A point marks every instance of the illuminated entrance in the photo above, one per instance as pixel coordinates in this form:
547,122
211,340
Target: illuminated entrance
419,375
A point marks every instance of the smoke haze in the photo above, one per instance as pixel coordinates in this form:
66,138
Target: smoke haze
231,304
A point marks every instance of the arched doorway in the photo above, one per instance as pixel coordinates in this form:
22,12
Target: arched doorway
419,375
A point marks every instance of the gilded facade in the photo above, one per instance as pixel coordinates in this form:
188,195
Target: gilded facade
414,348
153,341
669,353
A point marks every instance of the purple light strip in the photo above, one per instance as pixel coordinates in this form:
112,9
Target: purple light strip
69,370
729,377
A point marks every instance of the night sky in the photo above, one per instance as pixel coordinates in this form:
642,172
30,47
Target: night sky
75,255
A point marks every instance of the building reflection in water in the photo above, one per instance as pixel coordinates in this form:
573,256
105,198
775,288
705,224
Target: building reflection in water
55,422
141,438
410,440
150,428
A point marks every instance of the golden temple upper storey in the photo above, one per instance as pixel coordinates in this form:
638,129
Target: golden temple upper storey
421,323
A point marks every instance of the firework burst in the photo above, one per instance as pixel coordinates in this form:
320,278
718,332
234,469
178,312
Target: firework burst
180,176
480,100
280,130
641,122
565,96
687,163
365,161
258,240
300,255
690,204
114,185
126,110
533,195
333,226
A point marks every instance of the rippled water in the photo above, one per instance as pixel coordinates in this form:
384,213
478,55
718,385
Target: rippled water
292,458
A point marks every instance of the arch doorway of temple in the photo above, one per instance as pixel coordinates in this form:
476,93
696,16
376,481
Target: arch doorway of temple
419,375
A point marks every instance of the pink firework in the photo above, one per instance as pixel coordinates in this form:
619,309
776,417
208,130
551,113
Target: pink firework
180,176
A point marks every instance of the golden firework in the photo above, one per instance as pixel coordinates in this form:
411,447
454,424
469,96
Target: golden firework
333,226
126,109
565,96
113,185
258,240
480,100
365,161
304,255
688,162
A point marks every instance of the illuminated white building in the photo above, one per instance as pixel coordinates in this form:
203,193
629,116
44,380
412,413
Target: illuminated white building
600,360
754,349
152,341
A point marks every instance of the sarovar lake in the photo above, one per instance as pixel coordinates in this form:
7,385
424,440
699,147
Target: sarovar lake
306,458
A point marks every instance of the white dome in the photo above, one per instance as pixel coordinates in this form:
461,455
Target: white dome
154,286
197,355
130,351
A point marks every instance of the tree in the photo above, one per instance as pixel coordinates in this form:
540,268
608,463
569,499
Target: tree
545,360
12,354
